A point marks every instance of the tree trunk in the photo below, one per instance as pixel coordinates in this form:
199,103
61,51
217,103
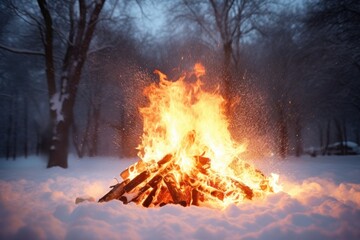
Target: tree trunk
81,143
26,147
283,133
283,139
345,138
59,146
327,137
340,135
8,135
321,137
60,140
227,48
95,134
38,140
62,101
298,138
14,132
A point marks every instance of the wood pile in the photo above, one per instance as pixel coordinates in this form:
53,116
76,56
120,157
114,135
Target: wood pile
160,183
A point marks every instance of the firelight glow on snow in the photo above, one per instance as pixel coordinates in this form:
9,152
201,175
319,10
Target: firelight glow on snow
320,200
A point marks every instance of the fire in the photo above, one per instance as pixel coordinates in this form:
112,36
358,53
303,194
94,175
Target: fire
187,153
186,121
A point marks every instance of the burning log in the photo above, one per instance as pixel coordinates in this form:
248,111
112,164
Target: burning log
150,197
210,191
139,166
163,197
163,188
175,192
127,190
165,159
136,181
190,123
245,189
152,183
202,164
195,197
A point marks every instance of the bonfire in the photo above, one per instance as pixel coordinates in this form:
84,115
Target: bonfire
187,154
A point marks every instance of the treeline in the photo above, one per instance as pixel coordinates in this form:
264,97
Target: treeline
72,72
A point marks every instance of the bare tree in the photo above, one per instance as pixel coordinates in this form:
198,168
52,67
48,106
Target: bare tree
337,28
70,25
278,64
226,24
62,100
332,33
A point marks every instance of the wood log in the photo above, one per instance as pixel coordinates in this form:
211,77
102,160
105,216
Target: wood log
210,191
127,197
139,166
163,197
203,160
129,188
203,163
162,188
175,193
217,182
195,197
145,174
191,181
249,194
186,191
115,193
165,159
152,183
155,181
150,197
136,181
170,184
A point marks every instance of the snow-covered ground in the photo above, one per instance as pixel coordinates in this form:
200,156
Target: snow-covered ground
321,200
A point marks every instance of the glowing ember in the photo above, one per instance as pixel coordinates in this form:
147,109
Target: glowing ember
188,156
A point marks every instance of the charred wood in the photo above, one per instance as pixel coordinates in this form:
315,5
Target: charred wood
115,193
136,181
174,191
194,197
152,183
150,197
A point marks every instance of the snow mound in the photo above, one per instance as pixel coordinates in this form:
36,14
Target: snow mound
321,200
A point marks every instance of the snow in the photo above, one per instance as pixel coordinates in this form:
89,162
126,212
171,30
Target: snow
56,103
321,200
344,143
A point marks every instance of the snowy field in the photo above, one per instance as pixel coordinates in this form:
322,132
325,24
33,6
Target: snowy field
320,200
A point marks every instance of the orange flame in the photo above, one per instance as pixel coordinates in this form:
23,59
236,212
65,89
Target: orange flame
186,121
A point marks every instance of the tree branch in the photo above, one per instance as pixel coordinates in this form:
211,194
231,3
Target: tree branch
199,21
48,47
21,51
98,49
5,95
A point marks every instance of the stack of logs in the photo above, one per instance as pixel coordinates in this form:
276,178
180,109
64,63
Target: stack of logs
157,185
